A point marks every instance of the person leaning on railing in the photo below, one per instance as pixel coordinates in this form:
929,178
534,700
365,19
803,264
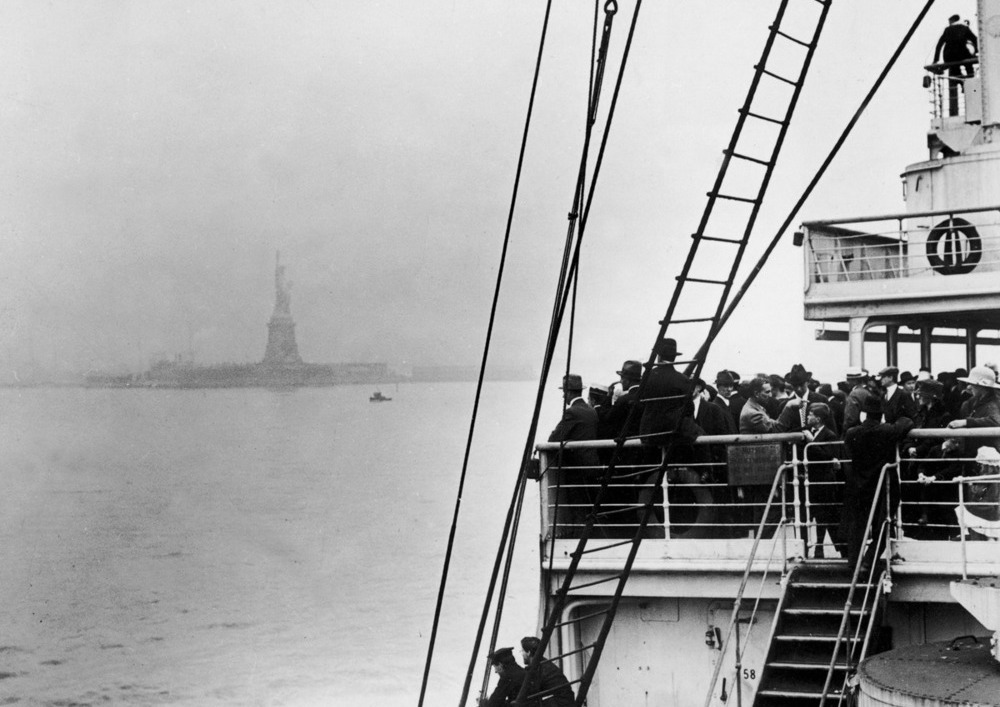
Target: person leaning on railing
981,410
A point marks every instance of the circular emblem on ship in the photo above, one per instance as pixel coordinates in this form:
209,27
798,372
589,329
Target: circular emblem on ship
954,247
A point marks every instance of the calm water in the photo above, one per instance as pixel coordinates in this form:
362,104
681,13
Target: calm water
250,546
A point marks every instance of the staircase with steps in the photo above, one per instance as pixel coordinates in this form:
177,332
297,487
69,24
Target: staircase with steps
805,635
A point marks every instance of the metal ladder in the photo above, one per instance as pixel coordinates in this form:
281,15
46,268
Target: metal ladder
809,640
675,318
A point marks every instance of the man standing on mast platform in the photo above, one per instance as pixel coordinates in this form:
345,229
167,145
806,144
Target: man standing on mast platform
953,48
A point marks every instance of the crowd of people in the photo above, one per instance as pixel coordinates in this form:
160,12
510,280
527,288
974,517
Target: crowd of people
861,419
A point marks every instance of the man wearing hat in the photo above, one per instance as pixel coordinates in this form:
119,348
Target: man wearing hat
871,445
578,424
896,402
511,678
857,380
924,515
908,382
667,409
611,420
957,46
798,378
547,679
729,398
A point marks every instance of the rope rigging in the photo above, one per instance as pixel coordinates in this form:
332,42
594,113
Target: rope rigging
569,265
482,369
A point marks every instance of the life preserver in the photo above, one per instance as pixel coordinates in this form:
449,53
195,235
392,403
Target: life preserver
958,258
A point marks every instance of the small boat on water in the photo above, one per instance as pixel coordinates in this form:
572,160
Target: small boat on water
377,397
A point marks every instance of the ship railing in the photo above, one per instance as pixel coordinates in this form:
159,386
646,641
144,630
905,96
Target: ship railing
865,571
783,477
946,498
914,246
717,493
946,85
720,498
822,481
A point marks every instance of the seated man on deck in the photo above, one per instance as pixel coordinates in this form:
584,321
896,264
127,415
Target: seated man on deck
548,679
511,678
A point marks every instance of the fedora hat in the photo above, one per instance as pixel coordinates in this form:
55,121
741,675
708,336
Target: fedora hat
666,347
572,382
905,377
724,378
631,369
983,376
798,375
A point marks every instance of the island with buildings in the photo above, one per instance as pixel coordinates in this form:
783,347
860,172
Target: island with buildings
282,366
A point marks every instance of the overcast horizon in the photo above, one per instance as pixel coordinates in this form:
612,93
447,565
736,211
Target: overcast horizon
158,154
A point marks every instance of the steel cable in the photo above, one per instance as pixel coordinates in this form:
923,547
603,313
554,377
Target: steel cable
482,369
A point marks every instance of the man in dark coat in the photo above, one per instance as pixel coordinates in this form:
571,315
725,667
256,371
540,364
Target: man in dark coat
857,380
825,476
729,398
927,507
667,421
578,424
666,398
871,445
897,402
798,378
957,46
611,420
548,679
511,678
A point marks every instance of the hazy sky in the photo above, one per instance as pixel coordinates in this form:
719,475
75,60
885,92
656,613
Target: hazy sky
156,154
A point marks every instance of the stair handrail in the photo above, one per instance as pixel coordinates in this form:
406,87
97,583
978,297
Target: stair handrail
778,477
848,603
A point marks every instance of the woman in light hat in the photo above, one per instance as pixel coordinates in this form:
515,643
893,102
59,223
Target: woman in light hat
982,410
980,512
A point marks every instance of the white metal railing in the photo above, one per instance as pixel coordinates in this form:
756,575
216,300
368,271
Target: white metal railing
698,499
903,246
946,87
705,500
